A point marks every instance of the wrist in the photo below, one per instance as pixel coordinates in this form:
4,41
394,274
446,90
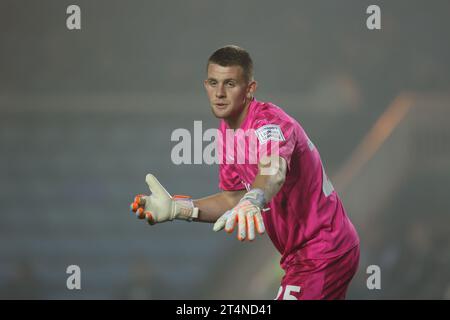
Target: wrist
256,197
183,208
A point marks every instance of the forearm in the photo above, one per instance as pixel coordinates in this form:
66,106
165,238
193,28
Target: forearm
212,207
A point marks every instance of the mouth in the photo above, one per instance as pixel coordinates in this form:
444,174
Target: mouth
221,105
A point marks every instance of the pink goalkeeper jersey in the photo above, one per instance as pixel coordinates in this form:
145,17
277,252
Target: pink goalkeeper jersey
306,219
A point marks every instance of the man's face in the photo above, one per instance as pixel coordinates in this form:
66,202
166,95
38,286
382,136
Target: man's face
228,91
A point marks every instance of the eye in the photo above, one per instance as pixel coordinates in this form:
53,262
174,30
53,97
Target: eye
212,83
231,84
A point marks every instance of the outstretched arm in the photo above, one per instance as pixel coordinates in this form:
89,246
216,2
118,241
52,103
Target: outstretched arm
160,206
212,207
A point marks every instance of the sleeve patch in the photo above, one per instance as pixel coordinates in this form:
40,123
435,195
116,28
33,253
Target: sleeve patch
269,132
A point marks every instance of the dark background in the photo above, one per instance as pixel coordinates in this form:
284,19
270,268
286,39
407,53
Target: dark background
85,114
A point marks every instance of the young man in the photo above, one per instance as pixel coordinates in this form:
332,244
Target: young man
285,191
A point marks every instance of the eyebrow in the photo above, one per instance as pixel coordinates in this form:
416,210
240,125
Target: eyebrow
225,80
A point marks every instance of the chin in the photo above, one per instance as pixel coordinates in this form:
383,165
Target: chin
220,114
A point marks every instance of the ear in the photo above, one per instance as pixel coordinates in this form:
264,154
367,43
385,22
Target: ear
251,89
205,83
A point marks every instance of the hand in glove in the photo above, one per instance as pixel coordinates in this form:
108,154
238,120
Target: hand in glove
160,206
247,215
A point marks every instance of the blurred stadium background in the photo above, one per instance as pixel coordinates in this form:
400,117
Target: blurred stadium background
84,115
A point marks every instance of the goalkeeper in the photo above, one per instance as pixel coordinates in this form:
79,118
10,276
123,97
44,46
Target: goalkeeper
285,192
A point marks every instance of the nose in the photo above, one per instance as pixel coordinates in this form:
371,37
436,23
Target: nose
220,91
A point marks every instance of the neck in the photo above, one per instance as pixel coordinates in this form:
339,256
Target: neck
235,122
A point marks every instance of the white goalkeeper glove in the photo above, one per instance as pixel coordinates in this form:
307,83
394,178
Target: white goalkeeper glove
160,206
247,214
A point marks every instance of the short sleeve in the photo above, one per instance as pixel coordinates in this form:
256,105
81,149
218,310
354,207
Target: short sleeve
276,137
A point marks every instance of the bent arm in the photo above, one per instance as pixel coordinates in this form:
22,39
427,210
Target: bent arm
271,176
